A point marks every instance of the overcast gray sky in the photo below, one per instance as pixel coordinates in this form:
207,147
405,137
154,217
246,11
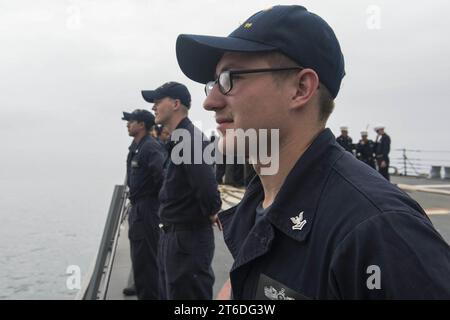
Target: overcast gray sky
69,68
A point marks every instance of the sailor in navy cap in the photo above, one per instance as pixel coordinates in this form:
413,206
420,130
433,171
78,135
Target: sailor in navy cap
325,225
144,179
189,199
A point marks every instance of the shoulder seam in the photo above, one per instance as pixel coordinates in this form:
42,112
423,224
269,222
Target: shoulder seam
357,189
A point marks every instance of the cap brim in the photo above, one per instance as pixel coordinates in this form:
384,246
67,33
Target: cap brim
127,116
150,95
198,55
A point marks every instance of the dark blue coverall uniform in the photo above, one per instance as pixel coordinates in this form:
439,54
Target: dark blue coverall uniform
365,151
144,178
188,197
382,148
336,230
346,143
219,167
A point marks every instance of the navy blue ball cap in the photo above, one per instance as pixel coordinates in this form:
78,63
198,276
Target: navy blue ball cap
140,115
172,90
292,30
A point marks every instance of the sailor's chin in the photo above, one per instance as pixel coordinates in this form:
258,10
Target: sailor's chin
228,142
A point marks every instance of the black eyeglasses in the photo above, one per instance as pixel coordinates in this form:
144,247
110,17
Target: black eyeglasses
225,78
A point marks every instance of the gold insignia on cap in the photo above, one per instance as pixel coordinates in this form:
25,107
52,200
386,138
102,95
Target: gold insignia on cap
247,25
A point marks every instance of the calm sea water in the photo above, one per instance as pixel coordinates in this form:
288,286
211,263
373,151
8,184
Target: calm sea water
45,227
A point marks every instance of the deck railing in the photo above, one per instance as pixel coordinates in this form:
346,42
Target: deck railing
96,287
413,162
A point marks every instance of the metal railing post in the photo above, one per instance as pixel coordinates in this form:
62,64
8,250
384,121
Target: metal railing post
405,170
109,232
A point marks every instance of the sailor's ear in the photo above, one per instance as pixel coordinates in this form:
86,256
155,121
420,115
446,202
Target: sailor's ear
304,84
177,104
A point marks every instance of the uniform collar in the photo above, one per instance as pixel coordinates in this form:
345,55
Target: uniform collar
135,146
295,205
184,123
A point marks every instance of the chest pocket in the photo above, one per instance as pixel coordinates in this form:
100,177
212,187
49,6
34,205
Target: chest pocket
137,162
174,184
134,164
270,289
135,167
138,171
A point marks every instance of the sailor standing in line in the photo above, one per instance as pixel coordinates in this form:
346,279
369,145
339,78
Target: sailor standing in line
144,178
189,199
344,140
365,150
382,149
